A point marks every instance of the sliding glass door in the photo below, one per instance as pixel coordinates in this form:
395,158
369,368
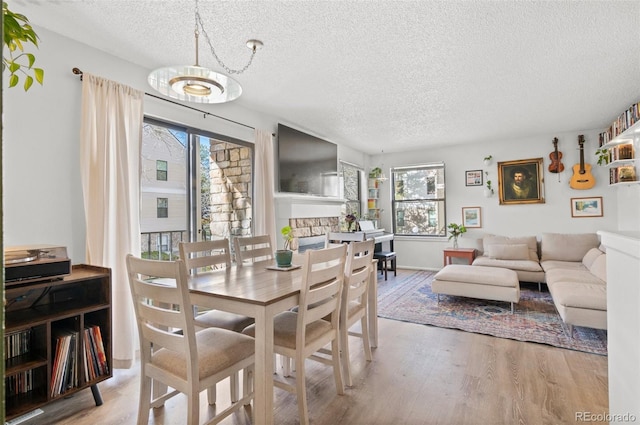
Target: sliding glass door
195,186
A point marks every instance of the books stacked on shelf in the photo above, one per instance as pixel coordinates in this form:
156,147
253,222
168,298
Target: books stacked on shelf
626,173
17,343
623,122
64,373
94,358
621,152
19,383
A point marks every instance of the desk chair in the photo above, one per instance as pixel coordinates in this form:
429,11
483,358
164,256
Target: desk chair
172,352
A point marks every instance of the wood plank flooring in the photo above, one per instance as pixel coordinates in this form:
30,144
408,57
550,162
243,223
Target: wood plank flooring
419,375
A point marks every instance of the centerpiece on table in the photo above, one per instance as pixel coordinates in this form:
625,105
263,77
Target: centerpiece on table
456,230
284,256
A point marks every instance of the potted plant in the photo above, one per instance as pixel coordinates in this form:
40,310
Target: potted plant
375,173
488,191
487,160
456,230
603,156
18,31
283,256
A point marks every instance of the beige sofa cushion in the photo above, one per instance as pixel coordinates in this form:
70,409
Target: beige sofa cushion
567,247
525,265
572,276
591,256
580,295
552,264
599,267
508,251
530,241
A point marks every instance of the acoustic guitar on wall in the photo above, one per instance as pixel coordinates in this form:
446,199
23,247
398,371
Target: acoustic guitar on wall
582,178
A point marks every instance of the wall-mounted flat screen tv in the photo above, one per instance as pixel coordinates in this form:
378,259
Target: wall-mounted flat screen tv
306,164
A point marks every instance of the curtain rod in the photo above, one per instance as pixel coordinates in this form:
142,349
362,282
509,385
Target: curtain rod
78,71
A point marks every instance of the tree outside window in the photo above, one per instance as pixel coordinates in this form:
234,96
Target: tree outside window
419,200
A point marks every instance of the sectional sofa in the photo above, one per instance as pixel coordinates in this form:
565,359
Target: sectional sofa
572,265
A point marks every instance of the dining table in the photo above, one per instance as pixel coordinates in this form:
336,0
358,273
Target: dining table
257,290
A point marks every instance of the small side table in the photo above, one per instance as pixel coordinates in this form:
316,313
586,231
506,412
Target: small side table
468,253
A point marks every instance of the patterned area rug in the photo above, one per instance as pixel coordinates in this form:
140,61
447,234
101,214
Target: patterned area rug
408,298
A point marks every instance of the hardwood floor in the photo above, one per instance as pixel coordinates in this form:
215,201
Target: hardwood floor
419,375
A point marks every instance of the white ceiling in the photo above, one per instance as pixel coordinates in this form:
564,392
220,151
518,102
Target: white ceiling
389,75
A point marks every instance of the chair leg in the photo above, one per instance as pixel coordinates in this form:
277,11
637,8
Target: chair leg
247,382
384,265
337,369
344,353
365,338
211,395
301,390
395,267
235,391
193,406
145,400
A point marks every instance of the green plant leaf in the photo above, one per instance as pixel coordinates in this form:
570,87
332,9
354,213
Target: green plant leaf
28,82
39,74
13,67
31,59
13,80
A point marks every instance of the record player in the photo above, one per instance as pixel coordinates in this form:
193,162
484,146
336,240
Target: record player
33,263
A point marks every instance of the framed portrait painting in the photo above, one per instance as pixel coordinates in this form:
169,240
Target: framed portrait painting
471,217
586,207
473,178
521,181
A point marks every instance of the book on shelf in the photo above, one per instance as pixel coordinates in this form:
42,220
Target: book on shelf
17,343
95,358
64,370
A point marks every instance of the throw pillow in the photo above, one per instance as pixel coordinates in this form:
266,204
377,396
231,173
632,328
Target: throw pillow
590,257
567,247
508,251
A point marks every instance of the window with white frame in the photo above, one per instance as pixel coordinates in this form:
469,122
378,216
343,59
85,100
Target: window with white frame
352,188
418,200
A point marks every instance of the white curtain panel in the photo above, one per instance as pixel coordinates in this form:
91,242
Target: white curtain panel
110,138
264,218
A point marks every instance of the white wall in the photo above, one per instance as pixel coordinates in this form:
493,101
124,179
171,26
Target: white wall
511,220
41,180
43,194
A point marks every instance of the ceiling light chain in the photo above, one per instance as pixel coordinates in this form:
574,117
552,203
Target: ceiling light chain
252,44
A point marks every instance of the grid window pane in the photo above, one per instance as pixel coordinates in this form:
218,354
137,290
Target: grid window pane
163,207
419,200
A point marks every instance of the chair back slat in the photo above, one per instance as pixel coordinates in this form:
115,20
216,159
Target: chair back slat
163,310
253,248
357,271
323,278
205,255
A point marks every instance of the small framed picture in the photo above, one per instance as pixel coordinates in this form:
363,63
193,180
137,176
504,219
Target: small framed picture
586,207
471,217
473,178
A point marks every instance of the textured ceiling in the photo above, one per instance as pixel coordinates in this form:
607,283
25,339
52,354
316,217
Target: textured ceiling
390,75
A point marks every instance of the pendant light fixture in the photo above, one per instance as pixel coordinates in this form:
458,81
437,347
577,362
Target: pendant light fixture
382,177
195,83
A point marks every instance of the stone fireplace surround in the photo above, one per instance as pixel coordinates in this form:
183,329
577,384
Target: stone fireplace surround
307,215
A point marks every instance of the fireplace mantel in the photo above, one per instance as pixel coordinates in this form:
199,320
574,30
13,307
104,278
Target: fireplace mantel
290,205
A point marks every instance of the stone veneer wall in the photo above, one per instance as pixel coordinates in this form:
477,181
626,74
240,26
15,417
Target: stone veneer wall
230,197
306,227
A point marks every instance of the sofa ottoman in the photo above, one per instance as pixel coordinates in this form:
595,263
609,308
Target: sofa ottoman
487,283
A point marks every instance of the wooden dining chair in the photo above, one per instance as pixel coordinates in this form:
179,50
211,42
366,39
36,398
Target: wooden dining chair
300,335
171,351
252,248
208,256
354,302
